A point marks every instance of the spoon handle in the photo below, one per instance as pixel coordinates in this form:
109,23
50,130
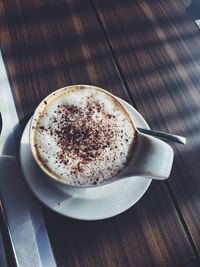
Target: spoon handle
163,135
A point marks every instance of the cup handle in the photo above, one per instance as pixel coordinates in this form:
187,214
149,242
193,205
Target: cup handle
152,158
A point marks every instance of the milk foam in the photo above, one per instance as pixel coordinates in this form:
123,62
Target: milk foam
84,136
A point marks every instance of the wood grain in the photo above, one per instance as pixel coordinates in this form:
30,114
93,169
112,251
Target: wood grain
158,54
146,235
50,44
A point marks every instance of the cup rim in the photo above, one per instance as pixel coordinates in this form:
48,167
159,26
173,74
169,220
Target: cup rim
35,116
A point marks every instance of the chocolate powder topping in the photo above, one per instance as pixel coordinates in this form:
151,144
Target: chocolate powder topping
81,133
93,144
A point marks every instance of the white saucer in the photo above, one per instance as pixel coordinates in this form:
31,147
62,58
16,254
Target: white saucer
84,203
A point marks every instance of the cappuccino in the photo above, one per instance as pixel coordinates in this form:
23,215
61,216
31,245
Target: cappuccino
82,135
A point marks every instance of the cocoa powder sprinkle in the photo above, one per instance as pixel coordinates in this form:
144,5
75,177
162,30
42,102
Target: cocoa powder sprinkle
84,141
78,135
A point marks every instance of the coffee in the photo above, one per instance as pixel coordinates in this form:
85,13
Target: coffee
82,135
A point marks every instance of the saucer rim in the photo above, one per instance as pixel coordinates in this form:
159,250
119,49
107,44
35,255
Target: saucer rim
130,203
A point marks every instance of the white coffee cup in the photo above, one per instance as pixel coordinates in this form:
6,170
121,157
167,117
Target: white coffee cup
148,156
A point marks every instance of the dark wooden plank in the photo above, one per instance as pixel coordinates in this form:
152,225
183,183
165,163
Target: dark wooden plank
141,236
158,54
49,44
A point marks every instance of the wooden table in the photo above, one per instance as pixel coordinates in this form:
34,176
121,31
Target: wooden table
147,53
